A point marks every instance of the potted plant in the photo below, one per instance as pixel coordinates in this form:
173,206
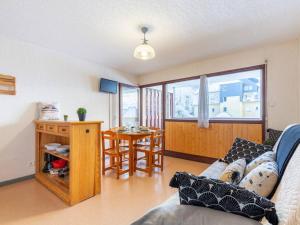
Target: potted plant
66,118
81,112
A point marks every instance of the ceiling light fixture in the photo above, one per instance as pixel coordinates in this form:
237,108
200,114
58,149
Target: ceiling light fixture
144,51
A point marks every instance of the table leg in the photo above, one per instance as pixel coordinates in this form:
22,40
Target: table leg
131,157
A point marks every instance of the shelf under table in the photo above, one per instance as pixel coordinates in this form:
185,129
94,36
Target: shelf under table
57,154
61,182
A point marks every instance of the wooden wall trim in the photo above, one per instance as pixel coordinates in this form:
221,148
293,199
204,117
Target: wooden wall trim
191,157
217,121
213,142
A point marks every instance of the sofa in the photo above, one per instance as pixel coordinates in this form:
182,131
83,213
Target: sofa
286,199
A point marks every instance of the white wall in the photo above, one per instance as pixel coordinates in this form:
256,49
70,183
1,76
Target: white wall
44,75
299,73
283,83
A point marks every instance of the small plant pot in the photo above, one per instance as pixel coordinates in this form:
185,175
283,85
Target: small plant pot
65,117
81,117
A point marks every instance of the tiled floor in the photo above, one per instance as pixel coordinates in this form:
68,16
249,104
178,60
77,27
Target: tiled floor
121,201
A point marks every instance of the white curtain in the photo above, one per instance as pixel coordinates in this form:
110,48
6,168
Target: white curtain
203,107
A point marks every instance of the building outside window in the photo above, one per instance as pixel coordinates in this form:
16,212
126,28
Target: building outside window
231,96
240,95
129,112
182,99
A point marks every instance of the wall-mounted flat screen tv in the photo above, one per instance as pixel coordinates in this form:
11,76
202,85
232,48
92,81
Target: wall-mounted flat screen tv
108,86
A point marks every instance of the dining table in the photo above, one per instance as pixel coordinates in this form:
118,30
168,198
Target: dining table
132,136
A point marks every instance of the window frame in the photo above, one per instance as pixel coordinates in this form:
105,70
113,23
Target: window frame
261,67
261,120
262,99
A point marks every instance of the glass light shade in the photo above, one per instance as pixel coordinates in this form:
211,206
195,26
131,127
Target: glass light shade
144,52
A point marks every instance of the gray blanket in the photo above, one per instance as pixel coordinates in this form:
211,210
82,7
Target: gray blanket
172,213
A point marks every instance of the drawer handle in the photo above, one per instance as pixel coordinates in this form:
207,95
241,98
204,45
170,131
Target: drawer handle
87,131
63,130
50,128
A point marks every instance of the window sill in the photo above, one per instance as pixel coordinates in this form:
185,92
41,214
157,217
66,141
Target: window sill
246,121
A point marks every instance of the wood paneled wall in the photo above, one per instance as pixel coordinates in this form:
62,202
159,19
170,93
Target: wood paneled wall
213,142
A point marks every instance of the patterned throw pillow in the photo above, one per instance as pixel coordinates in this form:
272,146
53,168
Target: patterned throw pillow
244,149
49,111
262,179
234,172
273,136
215,194
268,156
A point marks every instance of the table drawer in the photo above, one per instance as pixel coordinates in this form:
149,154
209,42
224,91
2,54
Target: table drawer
40,126
51,128
63,129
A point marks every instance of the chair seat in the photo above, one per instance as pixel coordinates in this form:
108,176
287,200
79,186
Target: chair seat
124,144
147,149
113,151
143,143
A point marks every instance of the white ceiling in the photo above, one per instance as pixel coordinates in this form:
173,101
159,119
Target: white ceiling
106,31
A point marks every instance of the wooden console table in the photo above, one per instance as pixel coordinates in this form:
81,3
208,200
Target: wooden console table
84,176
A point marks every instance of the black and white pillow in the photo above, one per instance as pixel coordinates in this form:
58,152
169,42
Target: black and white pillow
216,194
244,149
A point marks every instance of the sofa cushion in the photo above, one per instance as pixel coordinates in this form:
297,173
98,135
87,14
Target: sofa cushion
244,149
215,194
268,156
215,170
234,172
262,179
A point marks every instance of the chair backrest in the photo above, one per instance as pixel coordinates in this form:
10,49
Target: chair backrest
109,140
157,139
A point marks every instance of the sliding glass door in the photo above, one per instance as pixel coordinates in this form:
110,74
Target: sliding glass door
129,106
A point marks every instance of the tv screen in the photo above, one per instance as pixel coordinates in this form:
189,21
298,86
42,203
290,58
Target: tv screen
108,86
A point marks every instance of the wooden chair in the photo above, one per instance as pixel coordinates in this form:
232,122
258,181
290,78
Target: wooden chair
123,143
146,141
117,154
153,153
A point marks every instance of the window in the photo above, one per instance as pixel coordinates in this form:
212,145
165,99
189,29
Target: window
129,102
231,96
236,96
182,99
